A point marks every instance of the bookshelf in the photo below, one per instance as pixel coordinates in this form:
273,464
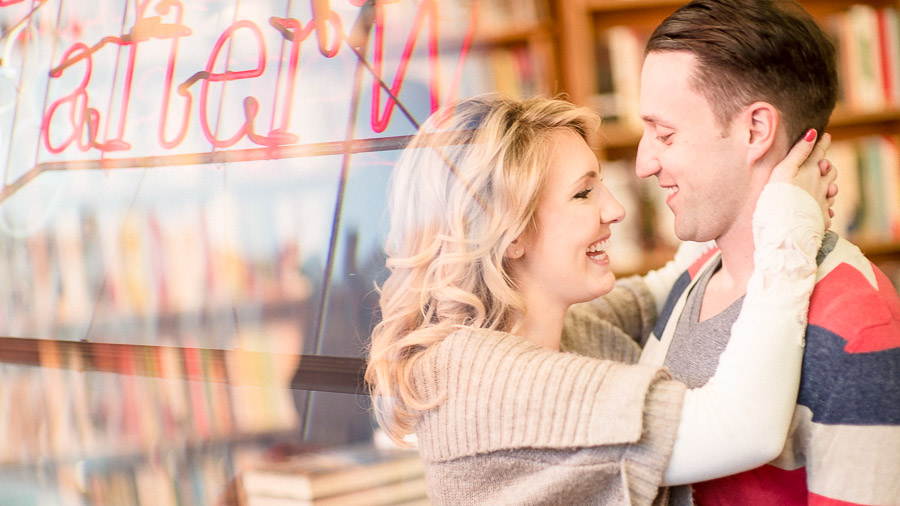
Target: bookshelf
516,47
867,114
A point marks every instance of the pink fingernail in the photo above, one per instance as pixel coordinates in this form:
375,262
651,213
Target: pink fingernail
810,135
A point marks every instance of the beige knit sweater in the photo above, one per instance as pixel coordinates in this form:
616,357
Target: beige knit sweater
521,424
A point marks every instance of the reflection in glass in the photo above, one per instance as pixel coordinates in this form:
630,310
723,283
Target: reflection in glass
190,224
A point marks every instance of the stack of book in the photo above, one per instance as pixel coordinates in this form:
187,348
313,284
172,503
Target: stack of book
355,475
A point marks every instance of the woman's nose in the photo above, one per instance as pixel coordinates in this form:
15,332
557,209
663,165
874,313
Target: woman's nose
611,211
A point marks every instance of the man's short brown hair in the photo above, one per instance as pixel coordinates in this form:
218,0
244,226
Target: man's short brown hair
752,50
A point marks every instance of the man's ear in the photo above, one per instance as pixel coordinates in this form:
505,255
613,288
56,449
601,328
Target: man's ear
761,120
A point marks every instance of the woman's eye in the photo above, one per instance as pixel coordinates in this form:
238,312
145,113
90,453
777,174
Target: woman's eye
663,138
583,194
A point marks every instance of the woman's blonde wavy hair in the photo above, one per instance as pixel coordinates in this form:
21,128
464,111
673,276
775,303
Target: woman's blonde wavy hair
462,191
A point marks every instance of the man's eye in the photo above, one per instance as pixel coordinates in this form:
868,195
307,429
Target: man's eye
664,138
583,194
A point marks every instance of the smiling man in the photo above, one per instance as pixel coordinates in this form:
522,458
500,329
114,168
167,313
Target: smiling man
727,86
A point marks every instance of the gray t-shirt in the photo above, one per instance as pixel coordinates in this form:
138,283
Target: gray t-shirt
694,353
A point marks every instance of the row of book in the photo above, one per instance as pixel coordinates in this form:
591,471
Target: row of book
867,208
867,39
168,478
178,479
92,267
516,70
495,16
619,54
137,400
513,52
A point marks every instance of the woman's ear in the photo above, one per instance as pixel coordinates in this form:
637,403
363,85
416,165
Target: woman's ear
761,121
514,250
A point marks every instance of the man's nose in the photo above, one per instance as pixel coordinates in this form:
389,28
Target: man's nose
646,163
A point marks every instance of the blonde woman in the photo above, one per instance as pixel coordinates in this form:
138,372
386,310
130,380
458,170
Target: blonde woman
499,226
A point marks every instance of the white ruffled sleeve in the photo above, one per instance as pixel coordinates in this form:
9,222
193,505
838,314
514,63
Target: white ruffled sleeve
740,419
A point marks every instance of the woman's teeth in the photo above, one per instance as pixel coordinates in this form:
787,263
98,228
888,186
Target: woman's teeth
599,246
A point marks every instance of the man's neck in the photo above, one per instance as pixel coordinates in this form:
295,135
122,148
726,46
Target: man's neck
729,283
736,244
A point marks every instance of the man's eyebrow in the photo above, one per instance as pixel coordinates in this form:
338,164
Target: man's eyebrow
658,121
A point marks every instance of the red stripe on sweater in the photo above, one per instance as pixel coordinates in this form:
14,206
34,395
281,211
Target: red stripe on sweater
845,303
700,262
766,485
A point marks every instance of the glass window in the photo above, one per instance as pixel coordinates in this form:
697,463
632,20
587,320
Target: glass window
191,215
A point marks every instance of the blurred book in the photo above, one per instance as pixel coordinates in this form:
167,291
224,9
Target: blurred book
880,185
619,51
866,38
847,209
361,474
401,493
889,50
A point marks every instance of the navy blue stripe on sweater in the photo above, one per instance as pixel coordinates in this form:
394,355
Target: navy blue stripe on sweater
680,285
849,388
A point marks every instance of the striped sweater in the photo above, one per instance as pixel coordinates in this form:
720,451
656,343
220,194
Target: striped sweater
844,444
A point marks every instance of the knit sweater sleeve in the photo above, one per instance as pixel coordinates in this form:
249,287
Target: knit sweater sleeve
634,303
498,391
629,307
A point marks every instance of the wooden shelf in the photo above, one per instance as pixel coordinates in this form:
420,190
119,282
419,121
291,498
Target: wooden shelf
513,35
879,249
630,5
315,372
843,118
